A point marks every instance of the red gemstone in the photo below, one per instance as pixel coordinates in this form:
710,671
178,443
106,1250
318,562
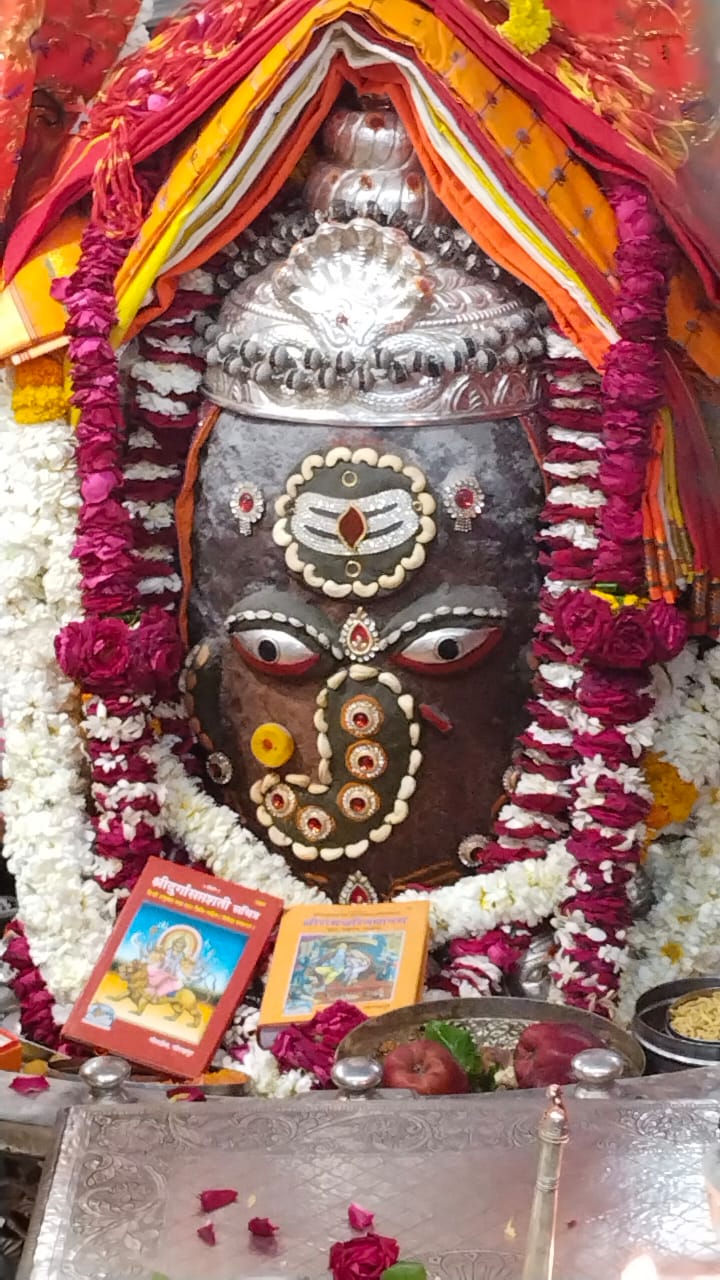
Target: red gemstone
246,502
465,498
359,895
361,720
357,804
359,636
277,801
366,762
314,824
352,526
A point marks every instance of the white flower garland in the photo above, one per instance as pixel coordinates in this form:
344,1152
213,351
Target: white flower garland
49,839
527,891
680,937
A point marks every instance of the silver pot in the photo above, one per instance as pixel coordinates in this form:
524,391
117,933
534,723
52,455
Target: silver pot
664,1050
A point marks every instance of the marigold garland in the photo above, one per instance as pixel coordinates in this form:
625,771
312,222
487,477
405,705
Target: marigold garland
39,391
673,798
528,25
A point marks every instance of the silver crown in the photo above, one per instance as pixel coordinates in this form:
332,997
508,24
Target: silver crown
359,323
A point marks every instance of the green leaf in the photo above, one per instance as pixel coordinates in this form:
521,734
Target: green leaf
460,1043
405,1270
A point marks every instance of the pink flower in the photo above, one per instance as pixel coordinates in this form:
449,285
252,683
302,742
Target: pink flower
620,698
621,520
630,644
109,654
98,485
364,1258
311,1045
158,647
584,620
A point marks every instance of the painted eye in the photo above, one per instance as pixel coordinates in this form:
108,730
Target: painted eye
274,651
446,650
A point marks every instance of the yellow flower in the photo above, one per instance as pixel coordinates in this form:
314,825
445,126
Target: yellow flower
620,602
673,951
528,25
40,392
673,798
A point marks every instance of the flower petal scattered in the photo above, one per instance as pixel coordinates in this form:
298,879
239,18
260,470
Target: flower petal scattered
262,1227
27,1085
217,1199
360,1219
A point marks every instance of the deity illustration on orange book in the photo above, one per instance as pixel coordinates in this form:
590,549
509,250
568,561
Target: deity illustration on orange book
167,975
354,966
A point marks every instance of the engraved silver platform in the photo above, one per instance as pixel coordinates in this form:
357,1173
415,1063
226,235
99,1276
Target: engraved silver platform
451,1179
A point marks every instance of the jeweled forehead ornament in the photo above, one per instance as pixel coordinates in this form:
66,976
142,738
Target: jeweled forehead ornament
355,522
463,499
247,505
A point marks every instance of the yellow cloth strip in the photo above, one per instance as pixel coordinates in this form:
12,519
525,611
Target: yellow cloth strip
190,180
202,164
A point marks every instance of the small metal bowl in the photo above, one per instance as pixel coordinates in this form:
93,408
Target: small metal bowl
686,999
666,1050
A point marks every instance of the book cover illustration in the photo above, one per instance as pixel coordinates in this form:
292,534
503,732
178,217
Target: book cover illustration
174,969
358,967
371,956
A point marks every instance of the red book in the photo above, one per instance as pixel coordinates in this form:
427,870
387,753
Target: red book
174,969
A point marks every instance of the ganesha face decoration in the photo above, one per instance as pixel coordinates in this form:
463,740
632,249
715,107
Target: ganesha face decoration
363,579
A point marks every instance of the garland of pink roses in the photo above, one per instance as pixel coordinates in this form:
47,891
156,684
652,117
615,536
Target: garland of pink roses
593,650
122,657
615,634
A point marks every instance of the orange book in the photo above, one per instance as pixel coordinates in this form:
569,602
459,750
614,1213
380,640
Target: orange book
370,955
11,1054
174,969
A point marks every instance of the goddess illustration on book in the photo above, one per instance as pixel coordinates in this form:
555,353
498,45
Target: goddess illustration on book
173,960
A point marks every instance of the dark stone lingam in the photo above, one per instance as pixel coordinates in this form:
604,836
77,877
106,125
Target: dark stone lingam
363,552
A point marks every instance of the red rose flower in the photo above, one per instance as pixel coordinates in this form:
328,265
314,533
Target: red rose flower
585,621
96,653
630,643
158,650
364,1258
71,650
311,1045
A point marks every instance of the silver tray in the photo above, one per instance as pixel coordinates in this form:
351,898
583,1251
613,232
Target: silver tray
452,1182
496,1022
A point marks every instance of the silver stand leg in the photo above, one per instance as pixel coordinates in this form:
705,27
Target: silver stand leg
553,1134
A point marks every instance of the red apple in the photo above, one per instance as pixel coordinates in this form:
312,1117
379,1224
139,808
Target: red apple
545,1051
425,1066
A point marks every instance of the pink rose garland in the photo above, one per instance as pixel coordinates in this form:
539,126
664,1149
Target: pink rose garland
617,640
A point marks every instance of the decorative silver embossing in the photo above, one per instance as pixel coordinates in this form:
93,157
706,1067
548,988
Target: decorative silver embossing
371,164
315,522
122,1201
357,325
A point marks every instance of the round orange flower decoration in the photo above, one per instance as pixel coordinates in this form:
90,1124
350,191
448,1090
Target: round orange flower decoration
673,798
